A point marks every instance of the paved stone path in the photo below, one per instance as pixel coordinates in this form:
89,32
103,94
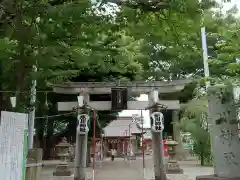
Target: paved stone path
192,169
120,169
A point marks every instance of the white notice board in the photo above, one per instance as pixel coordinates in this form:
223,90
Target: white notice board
13,145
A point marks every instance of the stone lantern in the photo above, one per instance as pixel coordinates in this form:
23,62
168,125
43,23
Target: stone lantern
172,164
62,168
63,150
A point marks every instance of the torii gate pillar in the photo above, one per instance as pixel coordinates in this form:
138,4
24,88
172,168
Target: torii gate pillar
81,147
158,156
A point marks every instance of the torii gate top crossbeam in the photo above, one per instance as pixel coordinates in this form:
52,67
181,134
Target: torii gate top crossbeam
132,86
123,84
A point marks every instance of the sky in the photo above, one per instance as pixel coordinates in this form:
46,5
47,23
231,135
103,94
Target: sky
227,6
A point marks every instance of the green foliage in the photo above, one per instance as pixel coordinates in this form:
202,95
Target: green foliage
171,37
223,46
81,41
67,40
194,121
173,42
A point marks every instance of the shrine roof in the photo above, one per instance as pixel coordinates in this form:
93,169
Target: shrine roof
120,128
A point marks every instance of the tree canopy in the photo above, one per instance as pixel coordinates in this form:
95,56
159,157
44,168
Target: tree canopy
83,40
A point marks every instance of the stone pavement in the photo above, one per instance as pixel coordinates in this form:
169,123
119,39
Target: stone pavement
120,169
193,169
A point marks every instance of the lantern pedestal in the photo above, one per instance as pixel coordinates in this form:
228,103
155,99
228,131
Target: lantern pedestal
173,168
62,170
172,164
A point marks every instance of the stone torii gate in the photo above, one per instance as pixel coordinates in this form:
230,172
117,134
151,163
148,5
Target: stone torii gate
119,92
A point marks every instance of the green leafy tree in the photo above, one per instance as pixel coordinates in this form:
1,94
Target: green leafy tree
67,40
171,36
194,120
82,41
223,37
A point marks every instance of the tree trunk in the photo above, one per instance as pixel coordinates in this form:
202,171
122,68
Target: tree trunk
202,155
40,139
40,127
1,87
4,99
202,158
49,139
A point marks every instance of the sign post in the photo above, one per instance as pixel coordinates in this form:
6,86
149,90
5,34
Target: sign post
13,145
157,125
82,127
